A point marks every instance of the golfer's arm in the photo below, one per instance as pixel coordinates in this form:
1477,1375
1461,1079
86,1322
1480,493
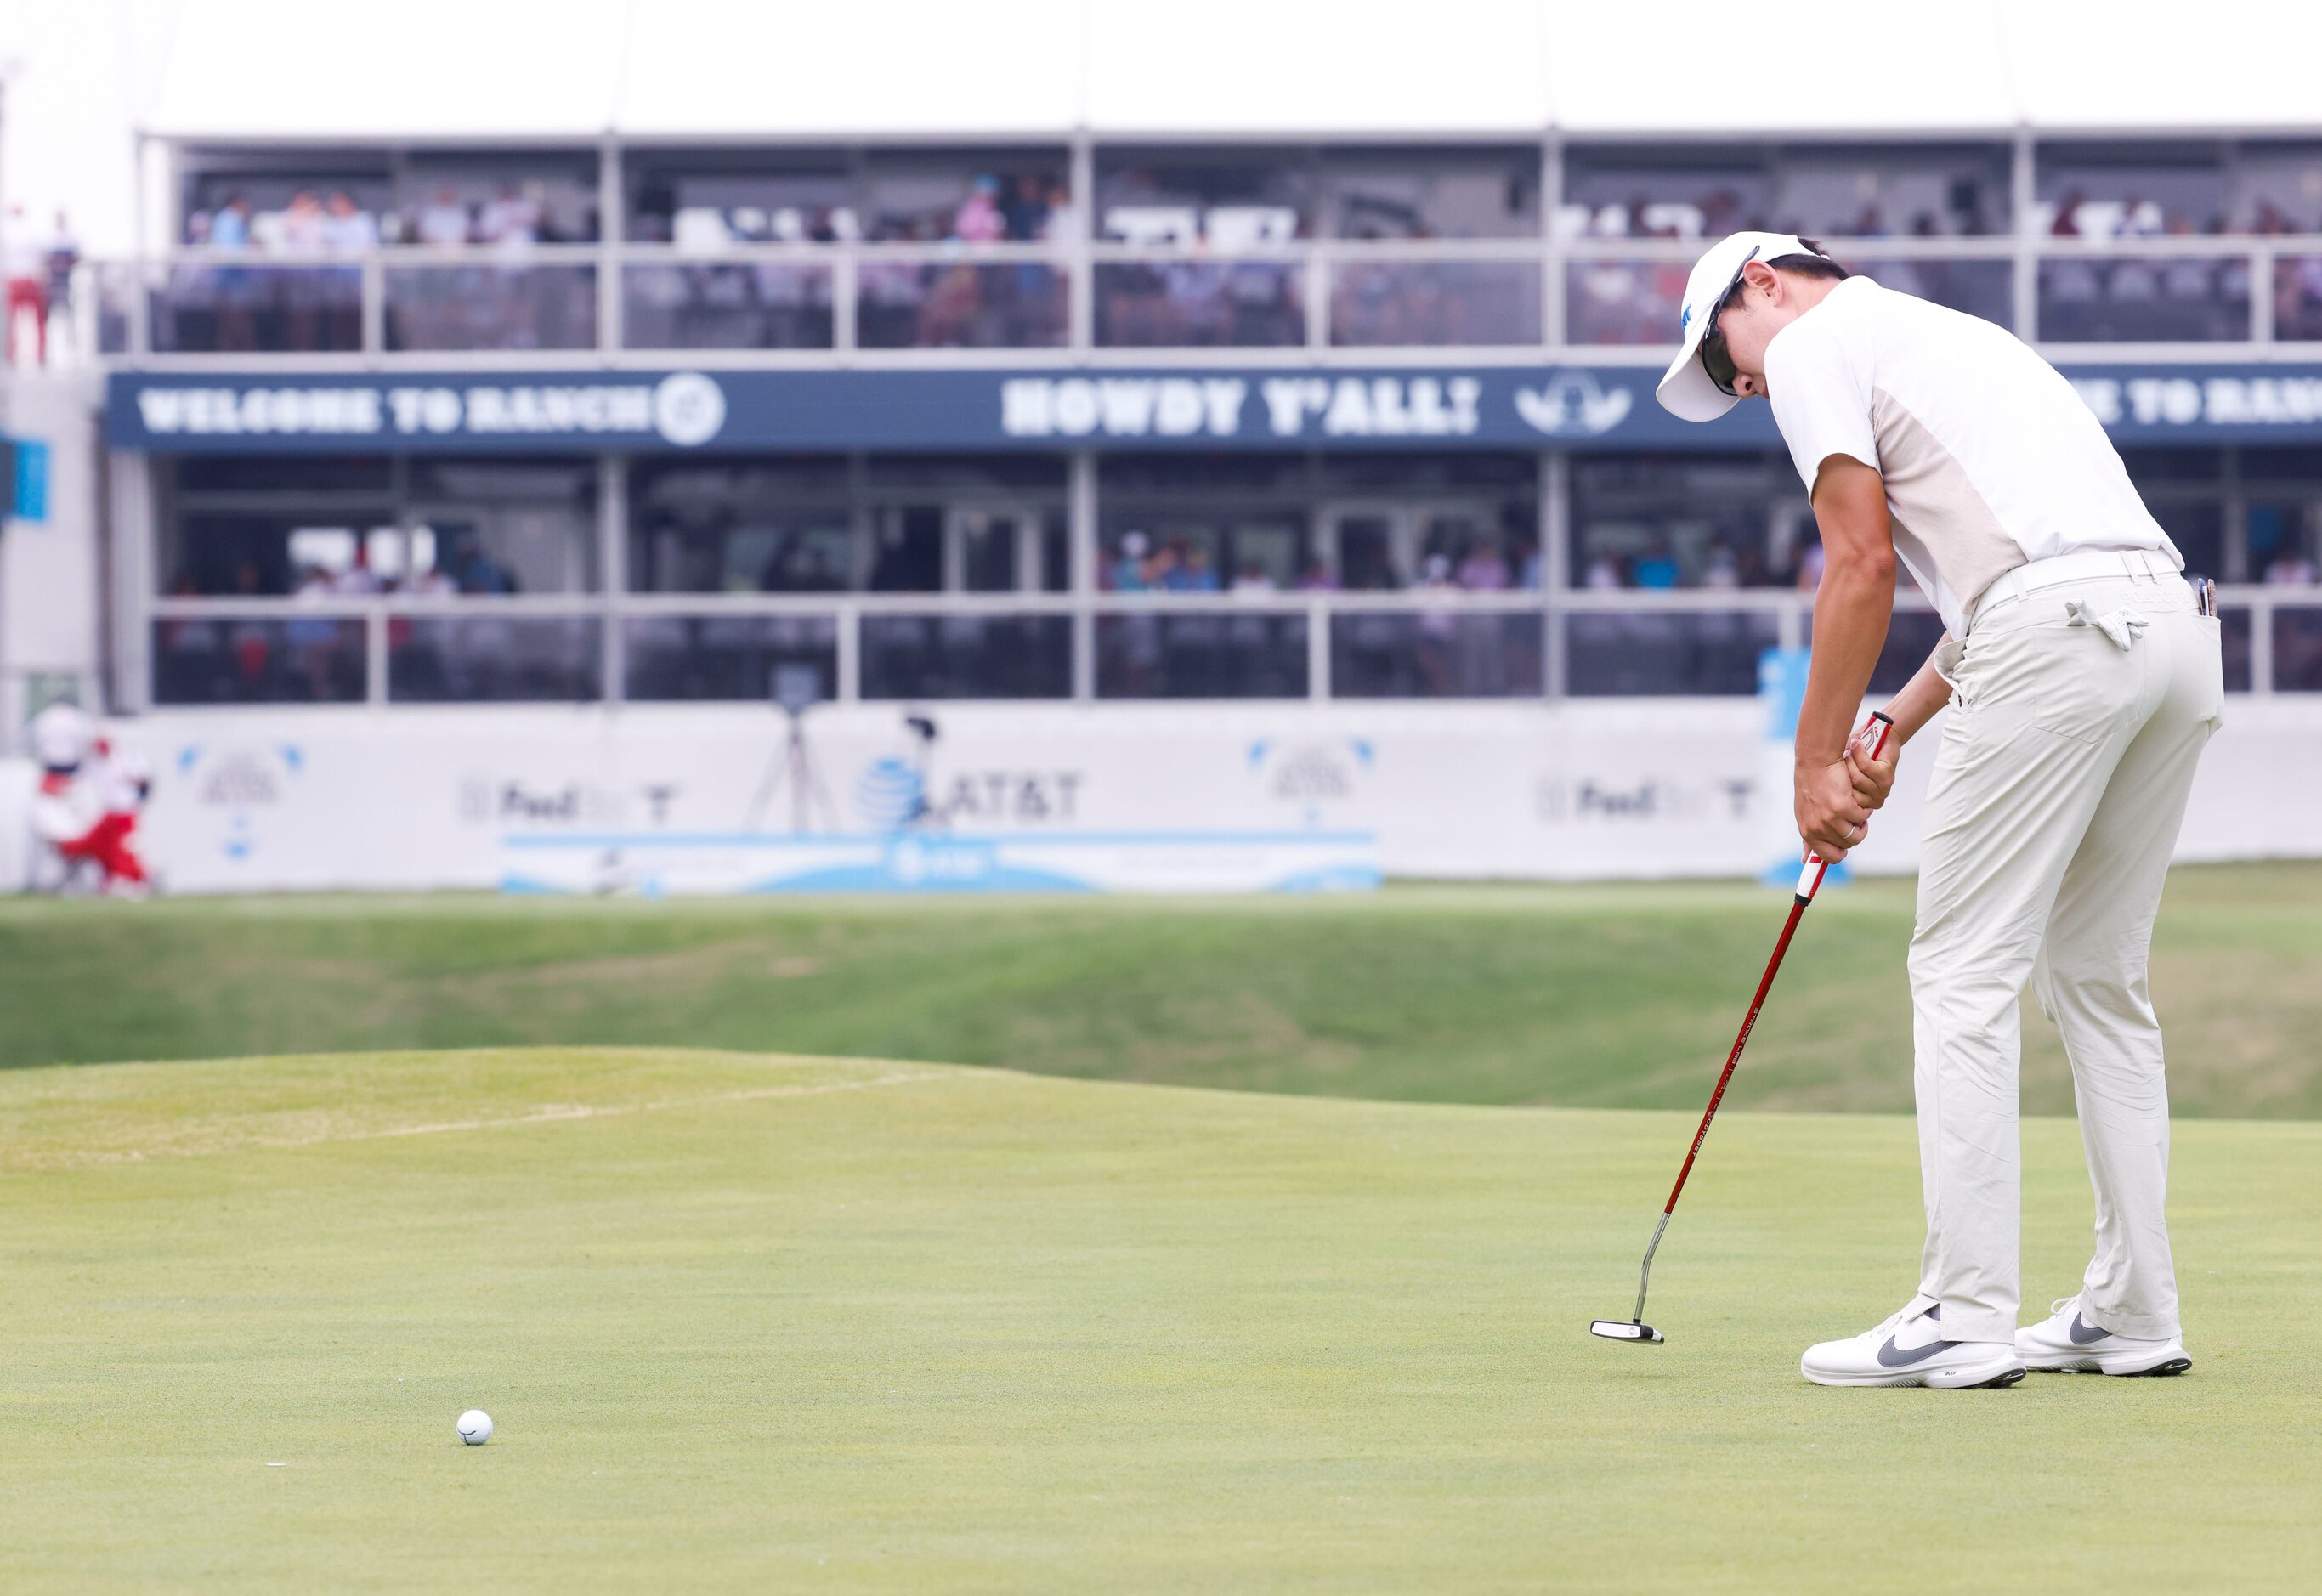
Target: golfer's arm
1852,607
1922,699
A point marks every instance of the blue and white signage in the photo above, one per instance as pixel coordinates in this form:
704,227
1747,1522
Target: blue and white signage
1489,407
665,864
1499,407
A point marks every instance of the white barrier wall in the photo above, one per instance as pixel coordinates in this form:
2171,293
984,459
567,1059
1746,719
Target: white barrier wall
1213,797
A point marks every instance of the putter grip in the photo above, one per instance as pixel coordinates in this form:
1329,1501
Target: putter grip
1810,874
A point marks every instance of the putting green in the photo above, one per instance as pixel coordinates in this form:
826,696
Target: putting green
766,1322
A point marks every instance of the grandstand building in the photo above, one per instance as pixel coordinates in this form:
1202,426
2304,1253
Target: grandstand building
1003,394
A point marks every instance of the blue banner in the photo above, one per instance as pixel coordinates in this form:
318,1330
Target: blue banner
1447,407
24,488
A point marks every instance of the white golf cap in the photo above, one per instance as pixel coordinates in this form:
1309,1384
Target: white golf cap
61,737
1686,392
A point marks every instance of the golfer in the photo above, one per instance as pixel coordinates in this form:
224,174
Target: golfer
2082,674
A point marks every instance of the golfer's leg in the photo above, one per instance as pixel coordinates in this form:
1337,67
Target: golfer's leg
2007,807
2091,980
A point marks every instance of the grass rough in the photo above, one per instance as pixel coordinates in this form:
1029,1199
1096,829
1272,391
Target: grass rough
1611,995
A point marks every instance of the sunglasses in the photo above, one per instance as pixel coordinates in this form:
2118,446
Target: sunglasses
1714,358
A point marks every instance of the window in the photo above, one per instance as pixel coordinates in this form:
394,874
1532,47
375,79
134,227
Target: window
817,524
742,526
1188,525
2130,189
504,197
1229,199
958,656
1821,190
1435,653
1690,521
2184,488
976,196
749,658
703,199
2281,527
1211,655
2277,188
1422,194
1613,191
961,305
432,527
727,305
504,526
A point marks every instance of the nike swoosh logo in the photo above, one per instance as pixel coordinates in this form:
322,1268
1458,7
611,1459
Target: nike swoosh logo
2084,1334
1890,1357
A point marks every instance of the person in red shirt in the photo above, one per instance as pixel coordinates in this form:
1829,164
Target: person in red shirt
86,805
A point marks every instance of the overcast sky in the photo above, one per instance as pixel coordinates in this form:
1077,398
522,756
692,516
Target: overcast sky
88,70
69,108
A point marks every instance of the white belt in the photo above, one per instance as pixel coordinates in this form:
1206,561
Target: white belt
2089,565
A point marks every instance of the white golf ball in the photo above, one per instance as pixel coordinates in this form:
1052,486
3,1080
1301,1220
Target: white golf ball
475,1426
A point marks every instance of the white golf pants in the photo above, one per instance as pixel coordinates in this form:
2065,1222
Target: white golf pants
2078,713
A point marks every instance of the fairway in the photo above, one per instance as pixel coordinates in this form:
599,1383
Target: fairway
753,1322
1578,996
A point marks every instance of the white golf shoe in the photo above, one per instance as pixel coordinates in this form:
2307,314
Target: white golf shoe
1910,1349
2066,1343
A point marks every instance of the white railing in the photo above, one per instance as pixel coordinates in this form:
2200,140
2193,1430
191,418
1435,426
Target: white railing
307,644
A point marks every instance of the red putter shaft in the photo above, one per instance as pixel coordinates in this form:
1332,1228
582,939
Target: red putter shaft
1809,883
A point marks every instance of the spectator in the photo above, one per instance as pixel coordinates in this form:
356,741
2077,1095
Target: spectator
228,227
2298,311
1810,561
1659,568
347,230
1063,218
1603,572
312,639
1026,209
473,569
358,580
515,219
2066,221
1253,579
84,807
2140,218
1191,572
306,229
1484,569
64,256
431,581
442,223
1316,577
979,220
1720,568
2289,567
1127,574
26,264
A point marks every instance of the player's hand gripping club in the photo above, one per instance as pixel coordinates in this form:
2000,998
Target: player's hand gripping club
1835,802
1870,771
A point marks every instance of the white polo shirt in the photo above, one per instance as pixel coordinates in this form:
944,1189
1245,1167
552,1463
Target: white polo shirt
1990,459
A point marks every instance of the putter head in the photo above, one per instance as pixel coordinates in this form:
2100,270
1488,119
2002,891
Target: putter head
1624,1330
